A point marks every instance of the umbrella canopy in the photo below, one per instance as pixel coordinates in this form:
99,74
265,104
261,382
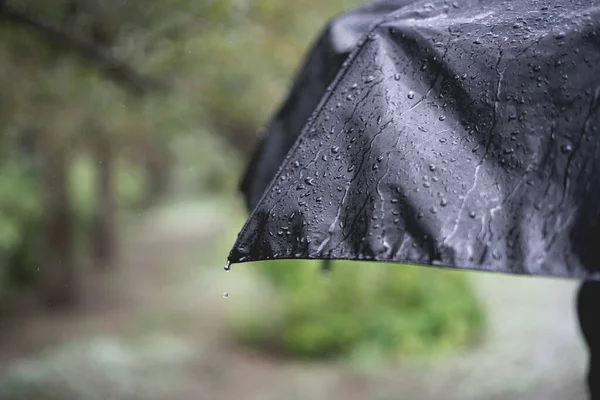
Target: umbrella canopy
463,135
334,45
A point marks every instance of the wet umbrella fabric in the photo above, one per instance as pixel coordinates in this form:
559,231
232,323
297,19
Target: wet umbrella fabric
334,45
462,135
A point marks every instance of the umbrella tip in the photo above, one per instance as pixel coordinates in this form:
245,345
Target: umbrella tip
227,266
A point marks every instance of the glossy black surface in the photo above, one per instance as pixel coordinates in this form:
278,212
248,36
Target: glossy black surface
462,134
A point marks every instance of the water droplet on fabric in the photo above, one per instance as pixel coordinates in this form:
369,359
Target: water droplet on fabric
310,181
566,148
411,95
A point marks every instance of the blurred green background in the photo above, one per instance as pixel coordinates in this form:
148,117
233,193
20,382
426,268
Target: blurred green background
126,125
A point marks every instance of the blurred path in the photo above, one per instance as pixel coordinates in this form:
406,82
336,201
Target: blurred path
156,330
533,348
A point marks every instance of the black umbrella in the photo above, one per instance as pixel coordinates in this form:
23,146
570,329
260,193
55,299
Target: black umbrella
460,135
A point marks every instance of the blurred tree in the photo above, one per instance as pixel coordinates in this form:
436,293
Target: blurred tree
179,85
104,228
57,283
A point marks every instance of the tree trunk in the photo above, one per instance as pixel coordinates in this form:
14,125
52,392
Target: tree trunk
158,171
57,270
104,232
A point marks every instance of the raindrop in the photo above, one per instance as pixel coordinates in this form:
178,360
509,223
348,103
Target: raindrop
433,210
472,214
559,36
397,77
310,181
411,95
431,167
369,78
442,140
351,168
443,202
442,118
227,266
335,149
225,295
426,184
537,68
566,148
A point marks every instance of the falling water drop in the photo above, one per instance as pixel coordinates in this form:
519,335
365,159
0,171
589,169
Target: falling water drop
227,266
225,295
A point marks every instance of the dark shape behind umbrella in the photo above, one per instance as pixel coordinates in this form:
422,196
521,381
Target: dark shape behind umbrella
461,135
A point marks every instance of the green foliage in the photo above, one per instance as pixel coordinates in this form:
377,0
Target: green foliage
20,212
357,309
129,184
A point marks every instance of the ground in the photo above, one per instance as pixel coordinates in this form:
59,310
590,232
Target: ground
156,328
